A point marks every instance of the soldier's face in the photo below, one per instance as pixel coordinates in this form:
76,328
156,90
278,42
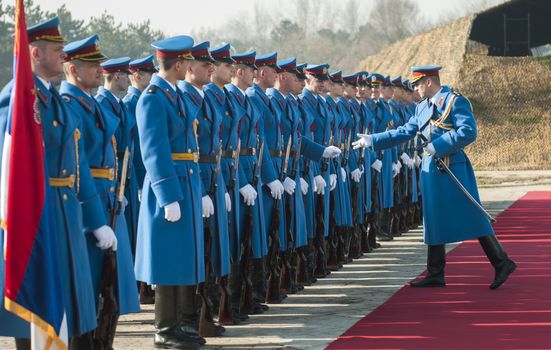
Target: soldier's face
122,81
247,75
337,89
349,90
50,57
375,92
268,76
223,72
317,86
386,91
201,71
89,74
300,84
397,92
421,87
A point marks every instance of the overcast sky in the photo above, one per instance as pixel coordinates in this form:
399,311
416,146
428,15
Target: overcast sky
172,17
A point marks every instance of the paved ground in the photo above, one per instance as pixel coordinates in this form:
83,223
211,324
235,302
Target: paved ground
319,314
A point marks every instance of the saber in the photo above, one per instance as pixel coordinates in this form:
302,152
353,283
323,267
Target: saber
441,165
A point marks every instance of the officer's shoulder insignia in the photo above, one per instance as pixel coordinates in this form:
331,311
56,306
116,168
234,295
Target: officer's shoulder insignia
152,89
456,93
66,98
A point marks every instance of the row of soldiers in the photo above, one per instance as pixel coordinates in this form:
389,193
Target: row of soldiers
240,183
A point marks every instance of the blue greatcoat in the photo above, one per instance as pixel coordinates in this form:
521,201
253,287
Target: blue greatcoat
126,137
447,213
363,199
384,121
310,151
131,101
343,211
98,131
317,120
251,126
73,207
230,114
271,119
168,253
209,124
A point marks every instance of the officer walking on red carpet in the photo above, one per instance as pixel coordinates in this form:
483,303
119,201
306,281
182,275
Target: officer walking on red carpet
445,120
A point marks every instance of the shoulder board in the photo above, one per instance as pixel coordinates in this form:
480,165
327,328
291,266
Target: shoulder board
66,98
152,89
456,93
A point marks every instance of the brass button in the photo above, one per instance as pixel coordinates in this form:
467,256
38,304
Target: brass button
111,189
65,197
191,171
55,123
64,171
227,113
189,150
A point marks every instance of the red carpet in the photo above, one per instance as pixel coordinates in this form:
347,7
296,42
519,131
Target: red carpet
466,314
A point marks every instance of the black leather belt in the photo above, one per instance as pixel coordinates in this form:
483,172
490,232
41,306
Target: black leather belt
276,153
247,152
211,158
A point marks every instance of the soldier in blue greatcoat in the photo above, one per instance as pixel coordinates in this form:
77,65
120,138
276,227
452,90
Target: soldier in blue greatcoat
141,71
77,206
446,120
229,113
83,72
170,248
216,201
115,82
251,131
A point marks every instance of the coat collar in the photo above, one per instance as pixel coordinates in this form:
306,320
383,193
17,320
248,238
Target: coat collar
132,91
83,98
277,96
216,92
111,98
165,86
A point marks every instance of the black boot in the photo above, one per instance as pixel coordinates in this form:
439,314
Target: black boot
436,261
498,257
384,228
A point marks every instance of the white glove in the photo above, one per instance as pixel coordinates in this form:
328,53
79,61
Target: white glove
377,165
343,175
363,141
410,164
207,207
430,149
332,181
303,186
124,204
276,189
319,184
356,175
395,169
331,152
405,158
249,194
106,238
172,212
417,160
289,186
228,202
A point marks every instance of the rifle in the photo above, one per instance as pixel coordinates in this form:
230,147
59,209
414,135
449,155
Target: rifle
302,275
225,310
284,279
246,304
108,305
206,321
333,260
320,270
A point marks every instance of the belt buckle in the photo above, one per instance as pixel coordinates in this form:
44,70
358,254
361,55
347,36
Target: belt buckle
111,174
254,151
